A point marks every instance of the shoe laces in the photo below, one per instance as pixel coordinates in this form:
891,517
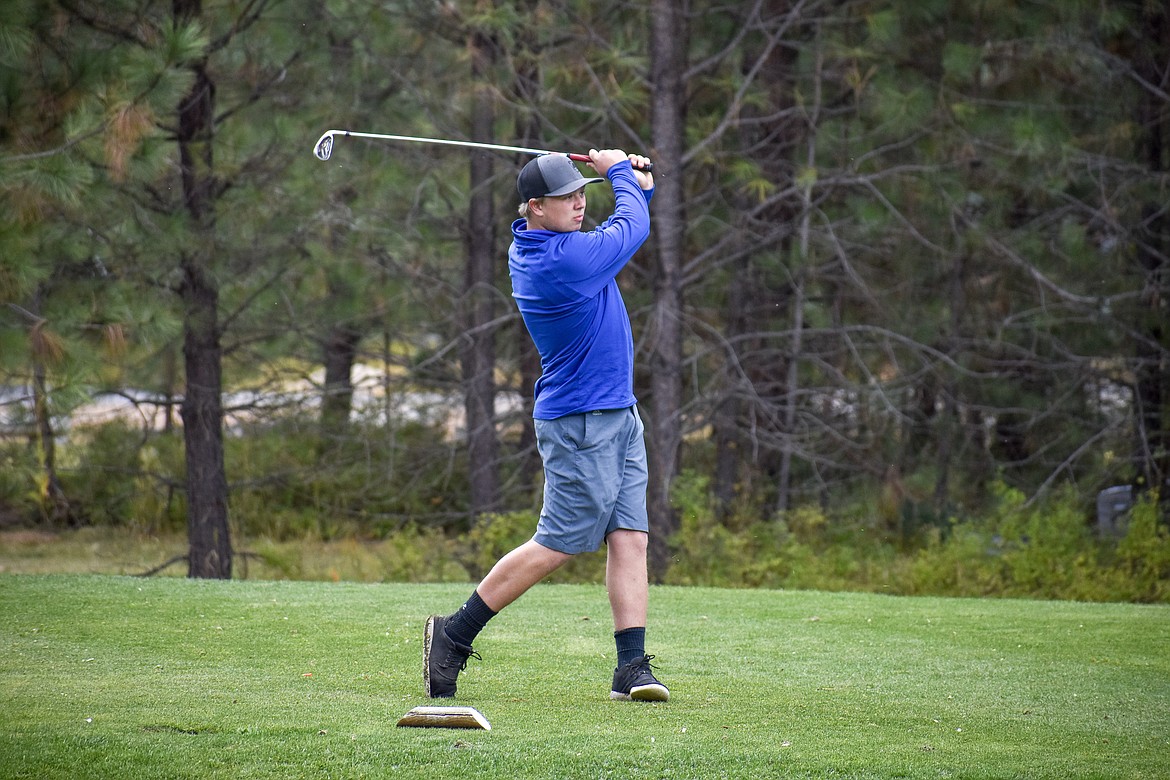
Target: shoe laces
643,663
462,658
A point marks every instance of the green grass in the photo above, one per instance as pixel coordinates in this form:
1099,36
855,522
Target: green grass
117,677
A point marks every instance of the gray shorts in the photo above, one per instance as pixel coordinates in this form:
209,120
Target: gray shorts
594,478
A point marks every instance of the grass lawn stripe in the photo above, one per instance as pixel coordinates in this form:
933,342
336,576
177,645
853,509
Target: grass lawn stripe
170,678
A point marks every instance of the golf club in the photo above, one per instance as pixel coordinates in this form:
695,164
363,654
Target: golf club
324,146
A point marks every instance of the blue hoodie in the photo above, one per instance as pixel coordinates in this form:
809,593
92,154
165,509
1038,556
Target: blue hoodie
565,285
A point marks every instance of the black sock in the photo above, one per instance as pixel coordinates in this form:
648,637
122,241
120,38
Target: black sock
464,626
631,644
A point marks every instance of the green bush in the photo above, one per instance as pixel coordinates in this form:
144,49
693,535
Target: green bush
801,548
285,485
160,502
1142,568
411,555
703,551
116,475
963,562
389,522
494,535
18,475
1049,551
1043,549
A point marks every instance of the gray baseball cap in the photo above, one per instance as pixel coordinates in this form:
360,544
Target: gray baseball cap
550,175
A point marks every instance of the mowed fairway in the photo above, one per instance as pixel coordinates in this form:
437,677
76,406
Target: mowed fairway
168,678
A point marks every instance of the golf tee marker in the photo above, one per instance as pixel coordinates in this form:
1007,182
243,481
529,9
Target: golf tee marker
445,718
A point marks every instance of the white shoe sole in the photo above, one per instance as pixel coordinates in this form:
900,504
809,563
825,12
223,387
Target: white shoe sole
642,693
428,633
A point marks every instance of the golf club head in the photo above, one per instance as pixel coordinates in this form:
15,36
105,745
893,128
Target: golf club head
324,146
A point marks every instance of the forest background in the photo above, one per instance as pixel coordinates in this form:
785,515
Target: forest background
902,316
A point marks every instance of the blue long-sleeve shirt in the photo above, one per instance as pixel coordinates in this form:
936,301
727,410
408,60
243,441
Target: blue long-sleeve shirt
565,285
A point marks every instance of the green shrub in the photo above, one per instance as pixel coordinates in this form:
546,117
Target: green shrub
494,535
392,522
703,550
799,549
160,503
18,473
1043,550
107,481
963,562
1142,570
1047,548
287,486
412,555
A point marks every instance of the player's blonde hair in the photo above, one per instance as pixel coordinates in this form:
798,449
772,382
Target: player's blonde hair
523,210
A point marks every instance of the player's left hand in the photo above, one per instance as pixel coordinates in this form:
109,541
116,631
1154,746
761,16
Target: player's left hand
645,178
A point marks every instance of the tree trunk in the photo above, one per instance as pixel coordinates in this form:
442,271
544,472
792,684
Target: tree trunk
780,65
340,354
478,354
1152,385
208,536
668,46
725,417
209,541
341,338
528,132
791,388
50,495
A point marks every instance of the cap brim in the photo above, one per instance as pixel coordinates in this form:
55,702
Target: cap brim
572,186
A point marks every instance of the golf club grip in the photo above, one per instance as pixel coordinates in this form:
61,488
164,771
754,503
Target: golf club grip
586,158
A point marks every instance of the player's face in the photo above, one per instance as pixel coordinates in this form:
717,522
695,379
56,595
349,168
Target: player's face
562,213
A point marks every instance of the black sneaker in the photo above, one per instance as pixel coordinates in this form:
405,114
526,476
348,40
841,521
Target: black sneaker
443,659
635,682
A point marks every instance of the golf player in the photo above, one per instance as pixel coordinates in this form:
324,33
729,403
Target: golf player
588,430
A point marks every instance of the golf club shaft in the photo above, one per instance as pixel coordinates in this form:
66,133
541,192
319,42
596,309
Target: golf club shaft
324,146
